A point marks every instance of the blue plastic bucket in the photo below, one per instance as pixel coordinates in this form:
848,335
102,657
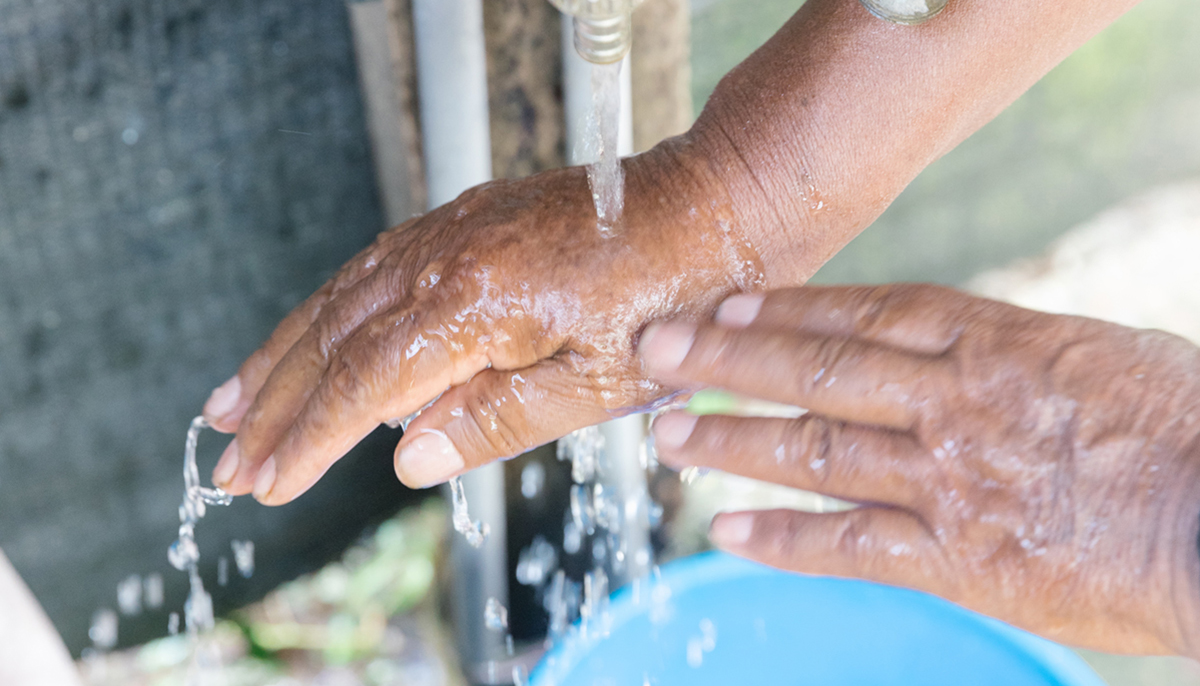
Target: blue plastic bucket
743,623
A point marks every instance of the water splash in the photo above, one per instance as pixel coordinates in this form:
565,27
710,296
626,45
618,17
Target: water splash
533,477
243,557
561,601
474,531
584,449
103,630
129,595
536,562
153,590
594,617
184,554
706,642
495,615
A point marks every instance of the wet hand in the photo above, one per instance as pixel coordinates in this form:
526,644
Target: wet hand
508,303
1041,469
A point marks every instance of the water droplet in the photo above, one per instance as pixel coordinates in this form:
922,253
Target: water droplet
536,562
103,630
129,595
495,615
153,591
474,531
533,476
243,557
695,652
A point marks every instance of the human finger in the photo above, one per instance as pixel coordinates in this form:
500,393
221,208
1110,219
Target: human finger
847,461
880,544
227,404
841,378
919,317
497,414
294,378
391,367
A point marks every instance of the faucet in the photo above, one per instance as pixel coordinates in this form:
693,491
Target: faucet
603,30
905,11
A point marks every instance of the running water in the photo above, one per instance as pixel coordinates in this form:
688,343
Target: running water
495,615
474,531
605,176
243,557
184,554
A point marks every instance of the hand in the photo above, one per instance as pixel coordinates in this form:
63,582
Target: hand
1041,469
508,303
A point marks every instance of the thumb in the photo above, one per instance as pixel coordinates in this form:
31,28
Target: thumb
495,415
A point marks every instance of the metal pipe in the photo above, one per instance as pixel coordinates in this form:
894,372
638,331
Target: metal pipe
602,30
624,478
905,11
578,103
453,94
452,87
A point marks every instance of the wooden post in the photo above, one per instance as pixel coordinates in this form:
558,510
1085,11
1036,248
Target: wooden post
662,72
525,86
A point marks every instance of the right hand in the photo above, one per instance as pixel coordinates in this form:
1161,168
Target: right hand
507,302
1039,468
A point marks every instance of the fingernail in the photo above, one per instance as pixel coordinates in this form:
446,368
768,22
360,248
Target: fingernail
222,400
731,530
266,479
227,466
739,310
429,460
663,346
672,429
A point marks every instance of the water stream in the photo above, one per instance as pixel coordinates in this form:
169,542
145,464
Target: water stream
605,176
184,554
600,518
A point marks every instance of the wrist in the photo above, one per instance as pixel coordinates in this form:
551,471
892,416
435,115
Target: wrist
719,182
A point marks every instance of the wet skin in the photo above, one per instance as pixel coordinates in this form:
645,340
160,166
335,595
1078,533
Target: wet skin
515,330
1042,469
510,305
798,149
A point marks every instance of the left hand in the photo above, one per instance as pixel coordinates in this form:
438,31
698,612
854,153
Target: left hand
1038,468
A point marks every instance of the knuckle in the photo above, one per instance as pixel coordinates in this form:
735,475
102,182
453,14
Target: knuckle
875,302
719,438
790,538
344,378
811,440
830,355
851,537
493,426
882,307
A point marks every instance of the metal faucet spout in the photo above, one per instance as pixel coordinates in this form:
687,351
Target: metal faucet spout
603,30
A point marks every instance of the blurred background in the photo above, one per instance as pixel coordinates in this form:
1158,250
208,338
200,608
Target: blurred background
176,176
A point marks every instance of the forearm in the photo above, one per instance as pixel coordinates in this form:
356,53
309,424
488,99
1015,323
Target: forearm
818,131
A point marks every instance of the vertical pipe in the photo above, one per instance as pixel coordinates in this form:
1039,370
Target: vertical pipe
453,94
452,82
623,438
578,104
